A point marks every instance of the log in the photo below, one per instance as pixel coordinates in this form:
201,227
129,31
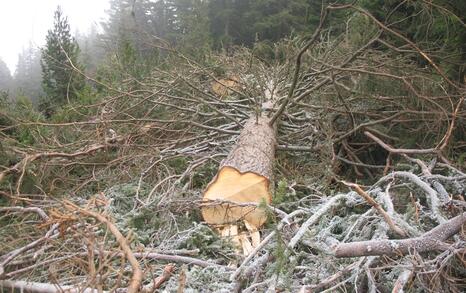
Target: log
429,241
245,176
35,287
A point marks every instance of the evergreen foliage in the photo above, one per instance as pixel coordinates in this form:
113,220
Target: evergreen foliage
61,83
245,22
438,26
92,49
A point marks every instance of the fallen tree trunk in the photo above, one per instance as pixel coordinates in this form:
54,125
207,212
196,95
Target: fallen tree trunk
245,176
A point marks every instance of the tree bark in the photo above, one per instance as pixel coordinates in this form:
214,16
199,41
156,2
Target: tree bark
244,176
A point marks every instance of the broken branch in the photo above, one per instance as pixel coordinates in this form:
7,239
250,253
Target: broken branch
379,209
136,279
430,241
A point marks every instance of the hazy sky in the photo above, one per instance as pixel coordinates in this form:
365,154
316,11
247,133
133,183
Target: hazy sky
22,21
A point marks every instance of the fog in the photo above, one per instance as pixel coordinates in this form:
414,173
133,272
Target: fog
24,21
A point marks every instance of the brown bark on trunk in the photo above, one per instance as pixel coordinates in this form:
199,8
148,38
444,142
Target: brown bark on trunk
244,177
255,149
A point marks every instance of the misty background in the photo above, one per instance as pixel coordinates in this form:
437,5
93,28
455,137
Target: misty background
131,36
128,34
24,25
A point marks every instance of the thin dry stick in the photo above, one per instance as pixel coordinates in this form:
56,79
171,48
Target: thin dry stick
413,45
447,136
136,279
400,283
379,209
399,151
17,209
13,254
178,259
35,287
291,91
166,274
332,279
323,209
32,157
434,201
181,280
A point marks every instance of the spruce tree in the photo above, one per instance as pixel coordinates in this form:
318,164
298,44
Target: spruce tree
60,81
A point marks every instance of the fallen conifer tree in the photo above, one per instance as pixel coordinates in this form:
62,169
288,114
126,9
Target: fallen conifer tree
360,147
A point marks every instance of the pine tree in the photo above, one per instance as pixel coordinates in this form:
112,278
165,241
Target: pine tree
61,83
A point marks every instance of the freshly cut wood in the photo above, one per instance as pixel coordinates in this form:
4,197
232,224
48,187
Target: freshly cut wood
243,177
236,187
223,87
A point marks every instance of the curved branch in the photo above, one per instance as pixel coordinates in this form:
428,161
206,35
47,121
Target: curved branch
379,209
399,151
282,108
136,279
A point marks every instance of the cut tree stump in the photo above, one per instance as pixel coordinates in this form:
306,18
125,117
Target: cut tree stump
245,176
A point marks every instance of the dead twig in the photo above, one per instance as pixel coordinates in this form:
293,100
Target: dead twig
136,279
13,254
400,283
291,91
399,151
35,287
36,210
379,209
166,274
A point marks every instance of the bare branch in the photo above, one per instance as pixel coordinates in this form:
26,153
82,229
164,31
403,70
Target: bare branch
379,209
430,241
136,279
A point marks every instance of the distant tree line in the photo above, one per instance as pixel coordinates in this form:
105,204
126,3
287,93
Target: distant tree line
26,80
199,26
136,31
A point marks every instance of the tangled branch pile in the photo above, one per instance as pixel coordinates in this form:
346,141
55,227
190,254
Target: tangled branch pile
107,196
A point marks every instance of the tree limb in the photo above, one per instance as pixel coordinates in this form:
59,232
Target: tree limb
429,241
